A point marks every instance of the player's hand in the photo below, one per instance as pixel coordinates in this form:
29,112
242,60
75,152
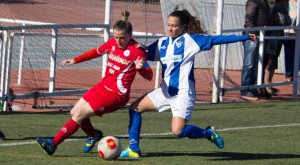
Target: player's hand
140,46
68,61
252,36
139,62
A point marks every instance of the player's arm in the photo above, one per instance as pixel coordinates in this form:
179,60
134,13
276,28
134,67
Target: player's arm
151,50
143,68
206,42
96,52
223,39
146,71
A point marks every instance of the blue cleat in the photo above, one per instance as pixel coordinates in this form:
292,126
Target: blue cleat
91,141
215,137
129,153
46,145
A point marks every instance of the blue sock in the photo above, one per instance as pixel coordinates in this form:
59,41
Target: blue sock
134,129
193,132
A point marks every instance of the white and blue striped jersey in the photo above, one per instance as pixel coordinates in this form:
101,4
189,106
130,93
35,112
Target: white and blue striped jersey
177,59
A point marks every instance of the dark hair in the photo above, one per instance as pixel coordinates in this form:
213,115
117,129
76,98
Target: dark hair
123,24
192,23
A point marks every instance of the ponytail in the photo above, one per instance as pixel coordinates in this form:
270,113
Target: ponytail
193,24
125,15
123,24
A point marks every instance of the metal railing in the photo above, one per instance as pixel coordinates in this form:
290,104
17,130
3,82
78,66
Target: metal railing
6,54
262,38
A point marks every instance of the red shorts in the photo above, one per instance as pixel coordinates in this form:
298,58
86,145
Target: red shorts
103,100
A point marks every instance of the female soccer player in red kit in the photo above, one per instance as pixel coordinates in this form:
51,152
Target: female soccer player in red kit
109,95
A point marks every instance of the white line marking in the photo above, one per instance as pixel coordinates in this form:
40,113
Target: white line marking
267,126
168,133
32,142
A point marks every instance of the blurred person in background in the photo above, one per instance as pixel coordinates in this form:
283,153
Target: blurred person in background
279,17
289,45
257,15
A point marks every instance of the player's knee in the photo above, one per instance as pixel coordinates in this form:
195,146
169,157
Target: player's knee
176,131
135,107
74,111
78,114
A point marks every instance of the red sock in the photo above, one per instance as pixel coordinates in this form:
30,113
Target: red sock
67,130
88,128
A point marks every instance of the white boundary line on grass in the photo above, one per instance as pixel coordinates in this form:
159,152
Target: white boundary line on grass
169,133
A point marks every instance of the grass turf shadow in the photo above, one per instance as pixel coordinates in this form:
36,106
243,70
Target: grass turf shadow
224,155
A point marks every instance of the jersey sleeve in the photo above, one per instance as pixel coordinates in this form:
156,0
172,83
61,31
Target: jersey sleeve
152,52
145,71
87,56
96,52
206,42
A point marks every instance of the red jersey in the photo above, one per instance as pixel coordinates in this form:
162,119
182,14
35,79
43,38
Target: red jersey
121,69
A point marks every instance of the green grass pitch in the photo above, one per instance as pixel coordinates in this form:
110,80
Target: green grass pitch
254,133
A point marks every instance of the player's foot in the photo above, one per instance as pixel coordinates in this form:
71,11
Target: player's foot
91,141
47,145
129,153
215,137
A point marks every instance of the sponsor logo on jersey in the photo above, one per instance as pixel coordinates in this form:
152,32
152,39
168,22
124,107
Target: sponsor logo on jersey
119,59
126,53
163,47
172,58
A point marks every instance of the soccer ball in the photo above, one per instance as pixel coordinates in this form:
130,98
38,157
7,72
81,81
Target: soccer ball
109,148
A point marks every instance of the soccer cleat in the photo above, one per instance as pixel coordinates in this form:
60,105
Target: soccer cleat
91,141
215,137
129,153
46,145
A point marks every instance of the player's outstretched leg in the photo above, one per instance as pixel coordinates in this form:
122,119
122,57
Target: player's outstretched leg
215,137
91,141
194,132
135,124
46,145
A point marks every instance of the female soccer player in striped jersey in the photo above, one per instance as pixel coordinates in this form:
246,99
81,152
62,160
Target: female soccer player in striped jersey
109,95
177,90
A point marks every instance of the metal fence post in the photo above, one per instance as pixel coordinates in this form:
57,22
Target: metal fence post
22,46
261,57
8,69
53,59
224,58
216,86
106,33
3,62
